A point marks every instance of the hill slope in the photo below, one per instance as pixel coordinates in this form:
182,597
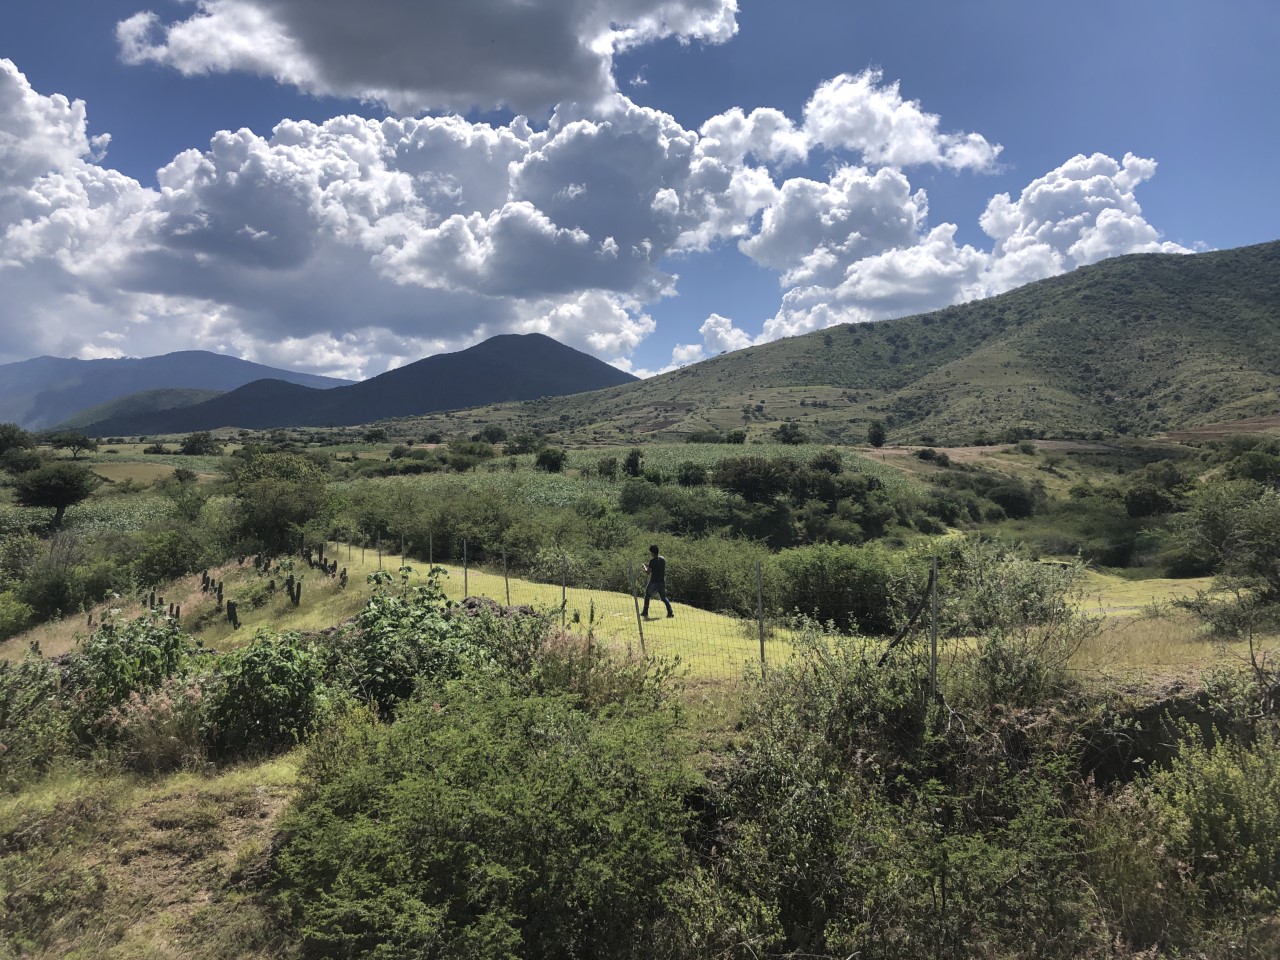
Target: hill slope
1136,344
503,368
45,391
137,404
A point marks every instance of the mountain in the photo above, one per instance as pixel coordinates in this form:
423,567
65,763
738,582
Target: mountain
137,404
1134,345
45,391
503,368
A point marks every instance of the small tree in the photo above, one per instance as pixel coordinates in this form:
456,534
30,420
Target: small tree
59,485
203,444
790,433
633,465
875,434
74,441
551,460
13,437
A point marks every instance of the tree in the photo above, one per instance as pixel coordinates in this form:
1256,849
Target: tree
203,444
633,465
491,433
875,434
551,460
790,433
18,460
58,485
74,441
13,437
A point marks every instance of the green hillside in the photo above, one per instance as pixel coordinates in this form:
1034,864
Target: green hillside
140,404
1133,345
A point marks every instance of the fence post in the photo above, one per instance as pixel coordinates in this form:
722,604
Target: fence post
506,579
760,613
933,627
402,548
379,549
631,585
564,588
466,591
431,550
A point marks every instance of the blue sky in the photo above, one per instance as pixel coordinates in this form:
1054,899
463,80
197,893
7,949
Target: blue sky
902,156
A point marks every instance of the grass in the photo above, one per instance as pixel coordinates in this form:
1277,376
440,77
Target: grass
97,864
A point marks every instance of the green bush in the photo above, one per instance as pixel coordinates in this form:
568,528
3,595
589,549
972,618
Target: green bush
268,696
858,819
35,729
121,658
398,639
857,588
1219,809
486,823
15,616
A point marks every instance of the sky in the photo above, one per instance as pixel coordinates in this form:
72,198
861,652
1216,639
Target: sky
342,188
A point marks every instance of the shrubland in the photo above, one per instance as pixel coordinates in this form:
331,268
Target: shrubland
483,783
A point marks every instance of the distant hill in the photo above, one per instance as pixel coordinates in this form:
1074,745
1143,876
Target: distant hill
138,404
503,368
40,393
1134,345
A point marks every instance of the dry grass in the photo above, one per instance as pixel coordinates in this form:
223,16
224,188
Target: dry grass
127,867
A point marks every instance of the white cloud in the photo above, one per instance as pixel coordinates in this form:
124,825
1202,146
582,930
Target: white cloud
414,56
1078,213
352,245
719,335
814,227
863,113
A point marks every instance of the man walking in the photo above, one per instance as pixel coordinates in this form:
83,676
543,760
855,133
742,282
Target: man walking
657,570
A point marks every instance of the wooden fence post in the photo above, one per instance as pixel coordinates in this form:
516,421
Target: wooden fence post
631,584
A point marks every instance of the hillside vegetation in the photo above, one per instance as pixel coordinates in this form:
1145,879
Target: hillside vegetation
1130,346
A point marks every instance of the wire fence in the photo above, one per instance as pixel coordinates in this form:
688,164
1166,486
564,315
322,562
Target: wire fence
709,631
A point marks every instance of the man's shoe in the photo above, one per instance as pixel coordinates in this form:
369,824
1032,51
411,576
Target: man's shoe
670,615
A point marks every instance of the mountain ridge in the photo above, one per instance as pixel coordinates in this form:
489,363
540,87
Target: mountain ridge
46,391
502,368
1138,344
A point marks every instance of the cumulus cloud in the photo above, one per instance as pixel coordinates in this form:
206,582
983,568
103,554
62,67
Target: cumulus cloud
355,245
414,56
864,113
1078,213
350,243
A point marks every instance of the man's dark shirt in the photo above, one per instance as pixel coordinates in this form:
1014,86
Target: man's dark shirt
657,569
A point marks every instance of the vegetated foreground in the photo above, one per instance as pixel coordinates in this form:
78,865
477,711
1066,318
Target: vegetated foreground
375,769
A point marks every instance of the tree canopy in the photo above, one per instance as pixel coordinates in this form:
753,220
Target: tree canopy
58,485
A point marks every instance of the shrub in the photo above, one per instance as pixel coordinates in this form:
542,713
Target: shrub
15,616
690,474
551,459
1219,807
121,658
268,696
398,639
857,588
489,823
159,730
35,730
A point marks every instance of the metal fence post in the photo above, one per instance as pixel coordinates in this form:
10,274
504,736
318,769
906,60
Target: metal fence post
564,588
466,590
631,585
379,550
933,627
506,579
760,612
431,549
